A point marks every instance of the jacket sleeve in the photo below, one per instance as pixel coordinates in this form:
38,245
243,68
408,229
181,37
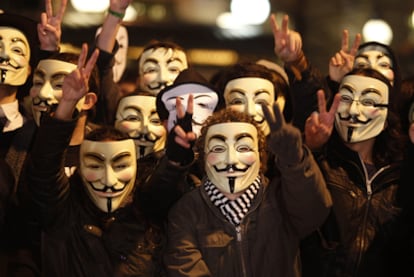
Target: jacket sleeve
304,194
304,97
183,256
47,181
162,189
109,91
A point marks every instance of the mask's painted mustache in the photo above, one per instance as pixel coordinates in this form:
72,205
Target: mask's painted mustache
109,188
146,137
231,168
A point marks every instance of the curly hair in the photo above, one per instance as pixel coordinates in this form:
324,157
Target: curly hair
226,116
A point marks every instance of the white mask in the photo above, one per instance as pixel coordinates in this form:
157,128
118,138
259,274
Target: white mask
205,102
14,57
377,60
362,111
46,90
232,160
137,116
108,170
248,93
159,68
121,56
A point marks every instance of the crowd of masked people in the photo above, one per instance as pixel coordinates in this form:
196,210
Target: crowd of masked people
264,169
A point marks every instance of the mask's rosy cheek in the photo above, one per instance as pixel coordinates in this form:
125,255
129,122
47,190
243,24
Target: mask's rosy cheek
90,176
126,175
127,126
249,158
389,74
213,159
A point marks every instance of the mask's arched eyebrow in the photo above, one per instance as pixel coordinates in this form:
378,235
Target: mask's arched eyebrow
196,96
132,107
39,73
219,137
121,156
59,75
14,40
347,87
95,156
261,91
371,90
173,59
243,135
150,60
174,97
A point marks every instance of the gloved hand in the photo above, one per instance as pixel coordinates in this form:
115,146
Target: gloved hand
181,139
284,140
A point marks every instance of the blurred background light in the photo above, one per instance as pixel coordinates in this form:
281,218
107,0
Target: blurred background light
377,30
91,6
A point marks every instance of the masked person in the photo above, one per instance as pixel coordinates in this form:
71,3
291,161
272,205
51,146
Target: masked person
22,43
246,86
189,81
361,163
159,65
137,117
239,223
90,224
121,55
46,93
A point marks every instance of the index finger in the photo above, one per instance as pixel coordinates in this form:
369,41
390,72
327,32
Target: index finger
179,107
321,101
275,26
190,104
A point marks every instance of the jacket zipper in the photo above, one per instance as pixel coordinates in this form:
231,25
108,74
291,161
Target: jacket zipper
368,184
239,243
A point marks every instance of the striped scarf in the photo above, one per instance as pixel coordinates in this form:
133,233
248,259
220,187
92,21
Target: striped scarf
233,210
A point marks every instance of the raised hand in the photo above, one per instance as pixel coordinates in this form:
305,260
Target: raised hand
75,85
181,137
288,43
343,61
49,29
119,6
285,140
319,125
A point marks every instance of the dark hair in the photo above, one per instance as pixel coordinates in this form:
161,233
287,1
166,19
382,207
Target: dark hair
252,69
390,143
375,45
225,116
106,133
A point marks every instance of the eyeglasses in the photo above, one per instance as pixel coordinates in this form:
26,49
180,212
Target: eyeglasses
364,102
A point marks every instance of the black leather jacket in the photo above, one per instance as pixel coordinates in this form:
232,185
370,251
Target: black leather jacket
363,235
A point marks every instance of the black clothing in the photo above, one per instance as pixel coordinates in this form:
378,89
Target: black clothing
78,239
